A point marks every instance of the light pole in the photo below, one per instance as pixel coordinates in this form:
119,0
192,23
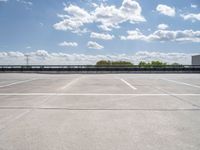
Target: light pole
27,59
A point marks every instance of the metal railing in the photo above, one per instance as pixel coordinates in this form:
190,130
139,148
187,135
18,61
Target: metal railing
95,68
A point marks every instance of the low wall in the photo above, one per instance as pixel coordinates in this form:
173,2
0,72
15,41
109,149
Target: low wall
97,70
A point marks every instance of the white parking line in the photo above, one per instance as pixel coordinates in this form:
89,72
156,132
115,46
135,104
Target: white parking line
71,82
18,82
14,119
90,94
183,83
132,87
22,114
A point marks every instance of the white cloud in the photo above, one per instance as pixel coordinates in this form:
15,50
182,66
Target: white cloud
42,57
131,11
109,17
193,6
191,16
15,54
75,20
170,58
101,36
25,2
78,13
72,44
28,47
163,26
94,45
166,10
3,54
94,5
40,53
133,35
164,35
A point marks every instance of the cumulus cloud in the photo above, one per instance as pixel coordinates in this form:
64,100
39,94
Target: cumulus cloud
66,44
94,45
94,5
42,57
40,53
191,16
101,36
108,17
163,26
164,36
75,19
166,10
193,6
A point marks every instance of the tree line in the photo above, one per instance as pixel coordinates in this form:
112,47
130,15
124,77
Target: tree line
113,63
142,64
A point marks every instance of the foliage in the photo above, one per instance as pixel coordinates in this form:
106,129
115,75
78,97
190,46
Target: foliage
143,64
103,63
113,63
176,64
158,64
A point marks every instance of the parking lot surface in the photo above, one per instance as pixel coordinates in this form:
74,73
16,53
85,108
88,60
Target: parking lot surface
99,111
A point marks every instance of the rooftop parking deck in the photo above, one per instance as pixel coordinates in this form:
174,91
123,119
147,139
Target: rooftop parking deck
99,111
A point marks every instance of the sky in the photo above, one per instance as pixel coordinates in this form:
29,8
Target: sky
85,31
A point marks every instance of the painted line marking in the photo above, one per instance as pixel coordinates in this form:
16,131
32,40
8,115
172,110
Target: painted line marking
14,119
22,114
100,109
131,86
183,83
90,94
70,83
18,82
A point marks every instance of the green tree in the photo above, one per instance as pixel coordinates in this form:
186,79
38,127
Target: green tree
158,64
121,63
151,64
114,63
143,64
103,63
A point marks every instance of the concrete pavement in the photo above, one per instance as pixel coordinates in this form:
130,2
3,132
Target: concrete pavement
99,112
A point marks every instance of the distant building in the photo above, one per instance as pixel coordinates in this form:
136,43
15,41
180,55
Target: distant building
196,60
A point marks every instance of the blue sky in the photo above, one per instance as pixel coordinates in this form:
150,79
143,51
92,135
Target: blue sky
128,29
